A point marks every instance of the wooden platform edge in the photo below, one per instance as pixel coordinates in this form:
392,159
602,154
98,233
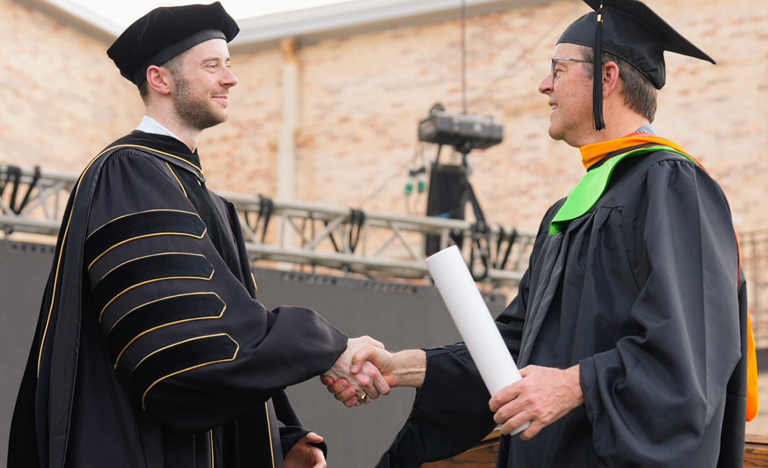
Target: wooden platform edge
484,454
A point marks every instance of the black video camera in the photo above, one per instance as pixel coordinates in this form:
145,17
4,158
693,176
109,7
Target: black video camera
464,132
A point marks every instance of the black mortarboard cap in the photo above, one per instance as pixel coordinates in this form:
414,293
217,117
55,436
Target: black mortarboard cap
164,33
631,31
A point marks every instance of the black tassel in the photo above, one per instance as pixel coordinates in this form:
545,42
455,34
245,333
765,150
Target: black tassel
597,79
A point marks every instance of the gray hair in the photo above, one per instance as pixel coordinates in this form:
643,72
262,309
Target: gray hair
639,93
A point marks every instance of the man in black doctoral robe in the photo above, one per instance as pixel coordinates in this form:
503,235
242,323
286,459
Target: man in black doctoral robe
151,349
630,324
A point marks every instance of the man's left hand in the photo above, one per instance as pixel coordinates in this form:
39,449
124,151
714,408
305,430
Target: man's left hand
304,455
542,396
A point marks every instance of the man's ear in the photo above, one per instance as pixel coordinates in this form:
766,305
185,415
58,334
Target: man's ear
610,78
159,79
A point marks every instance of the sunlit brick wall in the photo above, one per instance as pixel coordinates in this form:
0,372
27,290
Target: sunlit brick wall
361,98
61,99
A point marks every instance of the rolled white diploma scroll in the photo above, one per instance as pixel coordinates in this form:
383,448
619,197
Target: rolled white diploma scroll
474,321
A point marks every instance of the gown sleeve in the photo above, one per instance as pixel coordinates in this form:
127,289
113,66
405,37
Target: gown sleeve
291,429
451,413
651,399
181,331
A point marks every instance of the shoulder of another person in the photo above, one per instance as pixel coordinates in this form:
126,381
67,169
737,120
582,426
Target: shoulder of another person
645,161
656,163
664,155
670,168
670,162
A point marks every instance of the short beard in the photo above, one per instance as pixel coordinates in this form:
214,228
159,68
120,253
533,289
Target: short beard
192,110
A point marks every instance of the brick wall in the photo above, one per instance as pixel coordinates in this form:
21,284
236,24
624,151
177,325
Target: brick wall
60,97
361,97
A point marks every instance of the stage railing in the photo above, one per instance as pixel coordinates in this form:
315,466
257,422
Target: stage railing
33,200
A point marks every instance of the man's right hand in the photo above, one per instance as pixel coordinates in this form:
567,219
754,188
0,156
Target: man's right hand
403,369
361,380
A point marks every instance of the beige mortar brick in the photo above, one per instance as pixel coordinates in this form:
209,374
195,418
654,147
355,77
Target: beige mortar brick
362,97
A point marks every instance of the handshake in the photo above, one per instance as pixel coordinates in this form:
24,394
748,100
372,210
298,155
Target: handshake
366,371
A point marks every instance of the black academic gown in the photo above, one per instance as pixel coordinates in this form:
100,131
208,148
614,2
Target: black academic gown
151,346
644,293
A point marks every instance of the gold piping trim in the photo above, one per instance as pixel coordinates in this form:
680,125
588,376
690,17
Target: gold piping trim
64,240
61,251
199,169
255,286
269,430
142,212
162,299
146,236
234,356
149,256
177,179
213,460
221,314
101,313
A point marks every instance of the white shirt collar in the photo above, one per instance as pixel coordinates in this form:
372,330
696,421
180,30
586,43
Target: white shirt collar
150,125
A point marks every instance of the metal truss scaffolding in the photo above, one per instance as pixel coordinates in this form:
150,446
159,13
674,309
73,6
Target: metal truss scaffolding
371,243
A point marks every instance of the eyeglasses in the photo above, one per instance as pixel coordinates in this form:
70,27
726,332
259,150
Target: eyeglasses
565,59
